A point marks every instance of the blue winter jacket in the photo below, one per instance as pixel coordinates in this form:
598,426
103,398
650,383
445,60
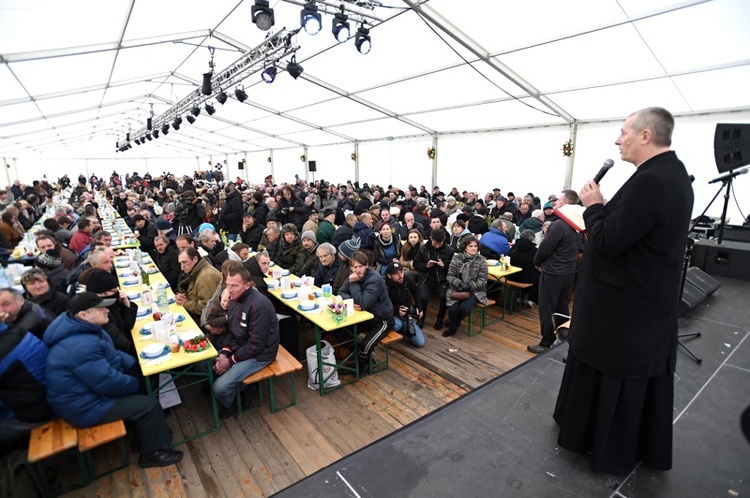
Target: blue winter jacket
85,373
495,240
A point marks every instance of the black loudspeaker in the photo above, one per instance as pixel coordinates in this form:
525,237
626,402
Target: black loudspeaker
702,280
730,259
312,166
240,165
731,146
692,296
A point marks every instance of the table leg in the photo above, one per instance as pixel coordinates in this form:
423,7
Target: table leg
339,366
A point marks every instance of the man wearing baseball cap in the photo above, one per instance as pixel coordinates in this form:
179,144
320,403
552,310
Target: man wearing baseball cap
88,380
404,295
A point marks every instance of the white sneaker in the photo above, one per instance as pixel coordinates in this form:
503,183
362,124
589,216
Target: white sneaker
531,304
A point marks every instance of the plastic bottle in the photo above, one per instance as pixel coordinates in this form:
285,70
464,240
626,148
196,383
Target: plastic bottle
162,299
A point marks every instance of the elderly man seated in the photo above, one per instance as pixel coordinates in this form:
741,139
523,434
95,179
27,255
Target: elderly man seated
18,313
198,283
494,243
89,381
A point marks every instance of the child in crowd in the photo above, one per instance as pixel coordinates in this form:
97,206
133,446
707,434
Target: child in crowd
217,318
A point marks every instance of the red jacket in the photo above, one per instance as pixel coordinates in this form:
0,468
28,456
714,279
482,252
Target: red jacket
79,241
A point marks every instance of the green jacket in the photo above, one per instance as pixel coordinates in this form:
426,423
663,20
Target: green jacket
325,231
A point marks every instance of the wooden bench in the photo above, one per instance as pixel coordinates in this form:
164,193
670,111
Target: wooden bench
482,317
58,436
93,437
516,292
284,364
392,337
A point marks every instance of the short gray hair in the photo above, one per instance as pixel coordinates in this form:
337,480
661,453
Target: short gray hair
327,247
528,235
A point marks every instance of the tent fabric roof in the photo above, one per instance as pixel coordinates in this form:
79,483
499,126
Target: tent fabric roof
77,76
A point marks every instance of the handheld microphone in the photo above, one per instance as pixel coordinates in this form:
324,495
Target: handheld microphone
605,167
728,175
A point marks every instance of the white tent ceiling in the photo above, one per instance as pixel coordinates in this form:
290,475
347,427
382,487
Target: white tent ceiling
76,76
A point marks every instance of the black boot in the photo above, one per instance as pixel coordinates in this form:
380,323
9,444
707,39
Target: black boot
160,458
439,323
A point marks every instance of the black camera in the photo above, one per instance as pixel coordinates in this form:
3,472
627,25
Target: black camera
411,317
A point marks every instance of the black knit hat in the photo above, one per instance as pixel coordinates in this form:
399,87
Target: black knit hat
86,301
101,281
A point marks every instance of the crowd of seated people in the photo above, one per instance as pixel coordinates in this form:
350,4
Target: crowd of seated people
392,250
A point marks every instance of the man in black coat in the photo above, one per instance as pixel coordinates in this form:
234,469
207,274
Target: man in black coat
619,375
556,258
231,214
251,231
166,259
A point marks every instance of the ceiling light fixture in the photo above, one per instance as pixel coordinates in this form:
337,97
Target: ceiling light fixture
293,68
362,40
195,110
190,119
269,74
156,133
165,128
310,20
210,109
262,15
176,123
148,136
239,92
222,97
340,27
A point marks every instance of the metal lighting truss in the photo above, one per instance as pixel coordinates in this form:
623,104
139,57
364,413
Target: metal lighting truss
275,47
360,11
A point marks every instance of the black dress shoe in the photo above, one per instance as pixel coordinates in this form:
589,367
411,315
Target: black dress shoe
160,458
226,411
439,323
449,332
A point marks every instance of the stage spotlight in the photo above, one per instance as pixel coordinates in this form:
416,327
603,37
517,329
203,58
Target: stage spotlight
262,15
362,40
156,133
210,109
222,97
195,110
190,119
340,27
293,68
176,123
240,94
269,74
148,136
206,87
309,19
165,128
149,124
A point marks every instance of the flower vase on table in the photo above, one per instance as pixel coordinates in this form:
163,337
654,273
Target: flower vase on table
337,309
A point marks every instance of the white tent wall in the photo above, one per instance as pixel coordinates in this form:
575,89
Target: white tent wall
397,162
333,163
518,161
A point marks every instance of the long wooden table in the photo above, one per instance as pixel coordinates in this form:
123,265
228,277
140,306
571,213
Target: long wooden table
323,322
181,364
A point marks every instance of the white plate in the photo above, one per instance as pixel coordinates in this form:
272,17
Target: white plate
127,273
289,294
142,312
133,295
153,350
130,281
307,304
493,262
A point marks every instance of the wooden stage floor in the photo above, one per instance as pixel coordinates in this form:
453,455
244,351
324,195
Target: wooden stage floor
260,453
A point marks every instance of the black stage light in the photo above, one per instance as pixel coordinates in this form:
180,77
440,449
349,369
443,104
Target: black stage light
269,74
206,87
362,40
240,94
310,20
165,128
293,68
340,27
190,119
262,15
210,109
222,97
176,123
149,124
156,133
195,110
148,136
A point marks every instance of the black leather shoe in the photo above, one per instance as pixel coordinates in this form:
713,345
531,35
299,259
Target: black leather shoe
449,333
248,393
226,411
160,458
420,322
439,323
